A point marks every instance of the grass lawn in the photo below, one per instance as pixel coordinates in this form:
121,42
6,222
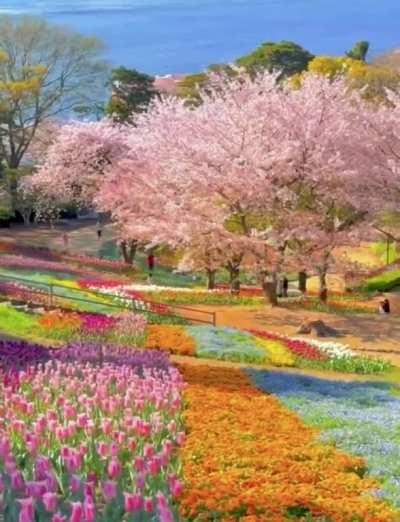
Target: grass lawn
383,282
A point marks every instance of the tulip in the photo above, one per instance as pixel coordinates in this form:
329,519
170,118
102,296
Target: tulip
76,513
139,463
132,502
50,501
75,483
113,468
148,450
102,449
58,518
17,482
26,514
109,489
36,488
89,510
140,481
148,504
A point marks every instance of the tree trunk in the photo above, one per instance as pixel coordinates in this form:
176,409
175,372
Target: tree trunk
26,216
128,251
234,278
270,286
303,281
323,287
211,279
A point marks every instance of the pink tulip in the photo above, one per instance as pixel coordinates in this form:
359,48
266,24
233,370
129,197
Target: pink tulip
113,468
153,466
17,482
76,513
109,489
106,426
140,481
102,449
114,449
132,502
26,513
148,450
89,510
139,463
42,466
148,504
58,518
75,483
50,501
36,488
176,488
180,438
51,481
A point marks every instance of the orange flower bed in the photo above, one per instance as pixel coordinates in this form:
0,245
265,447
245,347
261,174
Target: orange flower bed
247,457
170,338
60,321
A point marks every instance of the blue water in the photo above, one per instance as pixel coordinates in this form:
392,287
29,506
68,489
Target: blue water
179,36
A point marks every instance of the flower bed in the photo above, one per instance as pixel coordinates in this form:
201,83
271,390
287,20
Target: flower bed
246,457
125,328
327,355
359,417
109,457
226,344
170,338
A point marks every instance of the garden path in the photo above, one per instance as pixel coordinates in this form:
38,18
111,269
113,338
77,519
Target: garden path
370,334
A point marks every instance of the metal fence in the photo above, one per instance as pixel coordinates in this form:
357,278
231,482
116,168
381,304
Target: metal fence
65,297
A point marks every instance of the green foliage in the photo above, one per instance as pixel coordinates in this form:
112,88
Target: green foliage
18,324
382,282
359,51
205,298
44,70
287,57
381,251
132,91
190,85
359,365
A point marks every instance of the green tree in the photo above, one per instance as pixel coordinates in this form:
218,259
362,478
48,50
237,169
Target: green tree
45,70
287,57
359,51
132,91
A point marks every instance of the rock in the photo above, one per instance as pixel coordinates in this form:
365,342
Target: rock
304,328
323,330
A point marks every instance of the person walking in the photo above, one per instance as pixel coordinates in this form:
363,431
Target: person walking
99,229
65,240
285,286
150,264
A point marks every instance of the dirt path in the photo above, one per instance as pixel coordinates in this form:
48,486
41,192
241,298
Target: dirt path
366,333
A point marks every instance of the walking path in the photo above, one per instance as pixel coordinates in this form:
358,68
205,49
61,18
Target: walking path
370,334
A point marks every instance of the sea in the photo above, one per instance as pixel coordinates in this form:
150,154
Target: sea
183,36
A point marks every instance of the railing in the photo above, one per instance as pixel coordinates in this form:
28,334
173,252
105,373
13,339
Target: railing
57,293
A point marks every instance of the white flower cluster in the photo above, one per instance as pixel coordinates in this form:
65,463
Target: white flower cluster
330,348
119,295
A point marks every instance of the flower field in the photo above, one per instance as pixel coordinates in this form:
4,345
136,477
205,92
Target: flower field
90,443
97,433
362,418
223,343
246,457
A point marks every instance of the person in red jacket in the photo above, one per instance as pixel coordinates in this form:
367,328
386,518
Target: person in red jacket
150,264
